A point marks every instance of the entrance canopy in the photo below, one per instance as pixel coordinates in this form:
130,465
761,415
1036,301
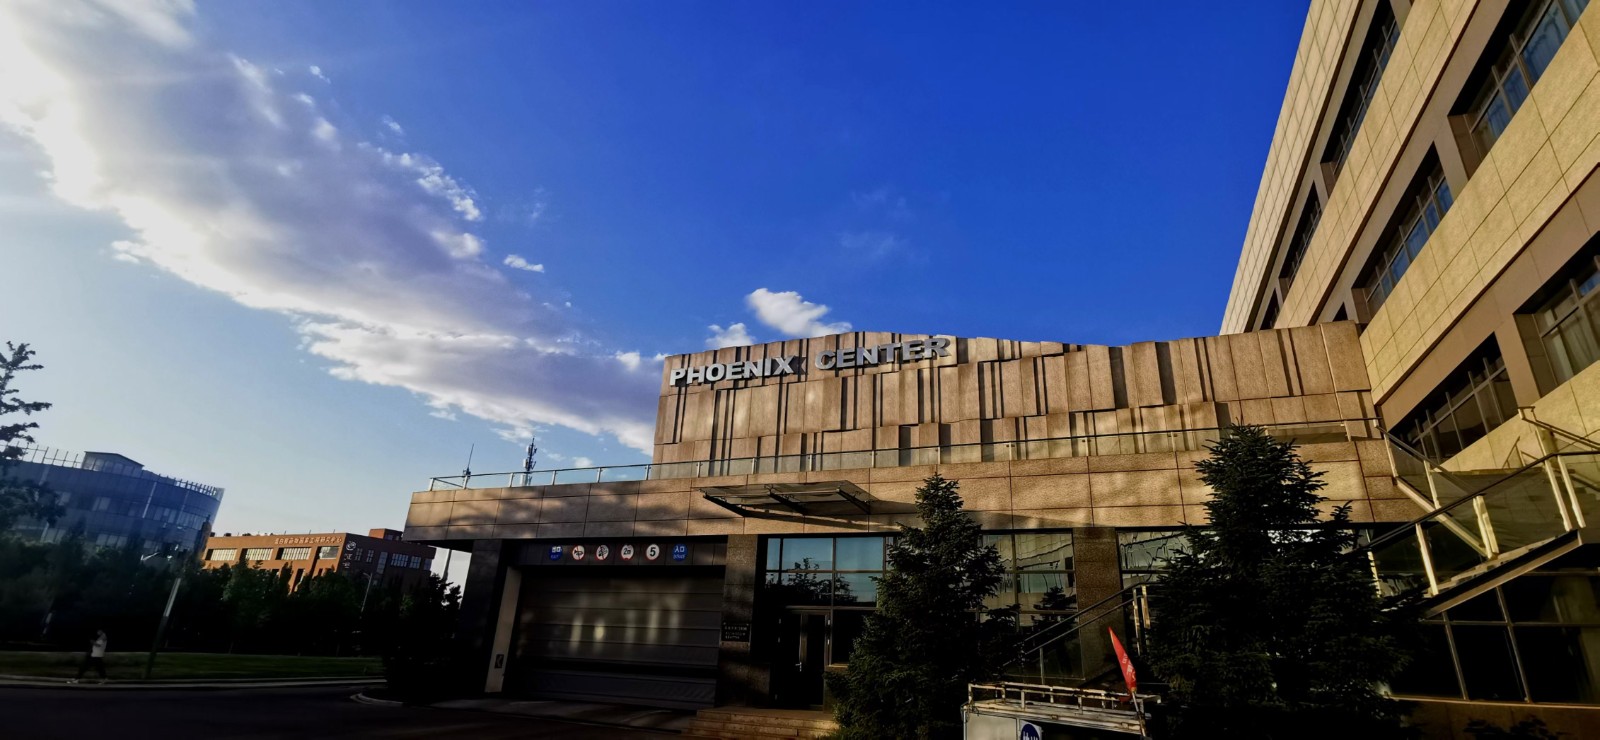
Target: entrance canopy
805,499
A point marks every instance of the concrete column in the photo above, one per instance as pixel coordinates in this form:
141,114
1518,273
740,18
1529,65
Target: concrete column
1520,367
480,604
505,624
741,681
1097,571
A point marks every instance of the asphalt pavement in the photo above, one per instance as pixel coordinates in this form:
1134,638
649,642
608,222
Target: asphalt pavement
319,712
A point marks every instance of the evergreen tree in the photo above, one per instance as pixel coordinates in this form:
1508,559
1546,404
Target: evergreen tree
1266,627
20,499
931,635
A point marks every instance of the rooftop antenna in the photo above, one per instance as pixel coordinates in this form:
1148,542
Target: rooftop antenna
466,474
528,462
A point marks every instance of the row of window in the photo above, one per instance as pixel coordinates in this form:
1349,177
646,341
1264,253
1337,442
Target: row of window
325,552
1526,44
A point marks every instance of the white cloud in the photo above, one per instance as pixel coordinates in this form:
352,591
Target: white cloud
733,336
517,261
317,73
871,245
582,462
794,316
630,360
225,179
393,126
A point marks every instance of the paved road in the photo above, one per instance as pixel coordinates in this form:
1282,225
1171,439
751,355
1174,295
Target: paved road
45,714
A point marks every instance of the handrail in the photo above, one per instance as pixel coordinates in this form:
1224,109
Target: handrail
1484,491
886,458
1076,623
1423,458
1553,429
1022,648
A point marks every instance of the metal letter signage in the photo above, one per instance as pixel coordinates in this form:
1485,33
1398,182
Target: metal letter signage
910,350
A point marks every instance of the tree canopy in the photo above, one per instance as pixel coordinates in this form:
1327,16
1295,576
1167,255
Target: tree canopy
931,635
20,499
1267,627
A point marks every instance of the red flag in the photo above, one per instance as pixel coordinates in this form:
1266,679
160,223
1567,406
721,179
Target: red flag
1125,662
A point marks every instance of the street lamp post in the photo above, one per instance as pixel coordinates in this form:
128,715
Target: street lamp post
161,628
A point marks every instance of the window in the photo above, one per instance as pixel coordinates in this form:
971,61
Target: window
1426,203
327,552
229,555
1269,316
1528,49
428,563
1144,555
1568,320
416,562
258,553
1038,577
1375,51
1470,403
397,560
369,555
1301,241
824,571
296,553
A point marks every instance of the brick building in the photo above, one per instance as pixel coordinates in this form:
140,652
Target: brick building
379,552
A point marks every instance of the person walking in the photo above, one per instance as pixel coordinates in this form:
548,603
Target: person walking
96,657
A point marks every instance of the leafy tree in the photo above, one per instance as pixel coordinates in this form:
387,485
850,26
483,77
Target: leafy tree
1266,627
931,635
422,660
20,499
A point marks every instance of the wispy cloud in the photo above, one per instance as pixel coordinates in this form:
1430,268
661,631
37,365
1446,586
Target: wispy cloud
317,73
791,314
518,262
735,335
871,245
236,184
393,126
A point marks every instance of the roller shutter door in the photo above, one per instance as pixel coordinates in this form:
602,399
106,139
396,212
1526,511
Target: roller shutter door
631,637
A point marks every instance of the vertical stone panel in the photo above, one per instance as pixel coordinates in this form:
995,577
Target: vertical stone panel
1272,362
1311,359
1079,397
1144,387
1102,391
1053,374
1247,370
1348,367
1010,388
1224,378
1186,371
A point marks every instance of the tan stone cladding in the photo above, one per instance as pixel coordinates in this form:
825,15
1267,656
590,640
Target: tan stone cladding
996,391
1159,489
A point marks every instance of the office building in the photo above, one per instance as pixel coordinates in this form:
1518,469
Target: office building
113,501
1414,304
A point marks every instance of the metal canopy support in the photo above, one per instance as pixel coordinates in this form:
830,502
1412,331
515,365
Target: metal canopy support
859,504
799,498
772,492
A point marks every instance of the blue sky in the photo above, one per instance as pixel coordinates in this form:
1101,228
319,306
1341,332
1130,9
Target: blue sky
312,251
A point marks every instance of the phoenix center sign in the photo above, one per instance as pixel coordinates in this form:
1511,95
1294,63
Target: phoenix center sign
843,359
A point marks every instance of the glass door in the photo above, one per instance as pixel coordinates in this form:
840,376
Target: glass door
802,657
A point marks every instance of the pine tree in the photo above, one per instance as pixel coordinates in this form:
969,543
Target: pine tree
1267,626
931,635
20,499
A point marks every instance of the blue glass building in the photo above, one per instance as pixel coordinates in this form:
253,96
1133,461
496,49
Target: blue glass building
112,501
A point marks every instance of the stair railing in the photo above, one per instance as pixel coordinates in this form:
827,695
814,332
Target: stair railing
1532,504
1136,596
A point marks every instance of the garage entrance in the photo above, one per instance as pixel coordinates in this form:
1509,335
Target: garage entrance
619,634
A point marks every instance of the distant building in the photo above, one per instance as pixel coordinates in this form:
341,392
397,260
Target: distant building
112,501
378,553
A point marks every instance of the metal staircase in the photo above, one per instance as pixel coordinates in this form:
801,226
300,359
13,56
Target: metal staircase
1485,527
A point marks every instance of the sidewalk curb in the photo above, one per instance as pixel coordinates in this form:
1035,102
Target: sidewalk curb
18,682
361,697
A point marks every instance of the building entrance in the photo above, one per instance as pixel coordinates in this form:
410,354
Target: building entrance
803,649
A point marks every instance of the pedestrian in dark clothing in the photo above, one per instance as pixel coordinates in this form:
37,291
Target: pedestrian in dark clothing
96,657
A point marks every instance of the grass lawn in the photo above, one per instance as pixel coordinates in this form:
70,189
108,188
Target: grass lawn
130,666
